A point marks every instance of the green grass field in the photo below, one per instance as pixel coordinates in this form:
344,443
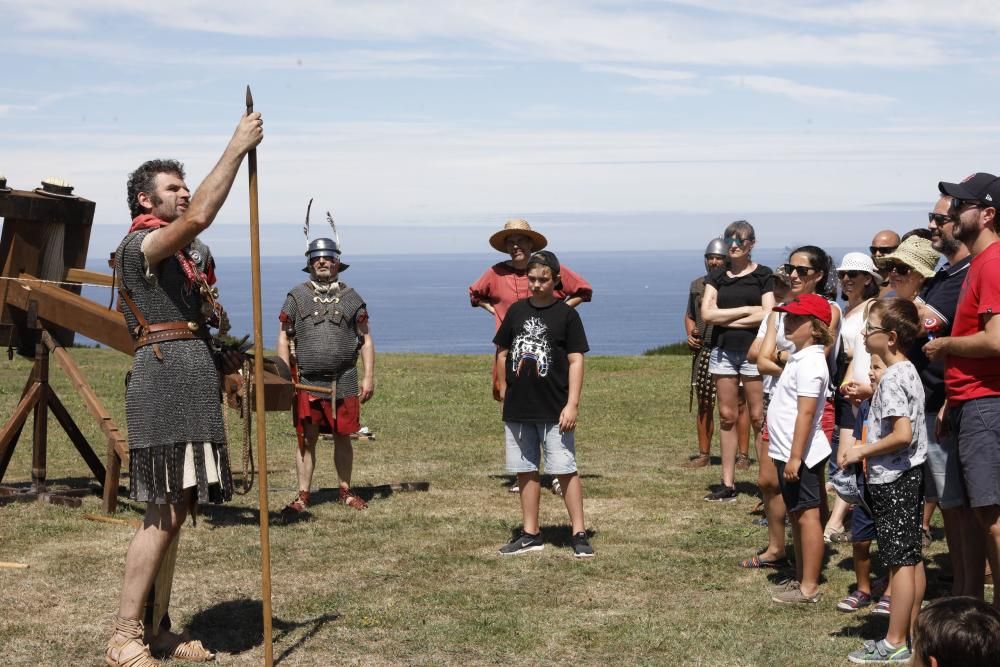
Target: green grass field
416,578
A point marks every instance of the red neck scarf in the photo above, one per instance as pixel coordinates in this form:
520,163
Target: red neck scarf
148,221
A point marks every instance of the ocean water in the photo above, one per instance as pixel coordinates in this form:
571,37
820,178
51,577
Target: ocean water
420,303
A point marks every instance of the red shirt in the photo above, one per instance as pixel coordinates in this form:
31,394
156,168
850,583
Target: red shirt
966,378
502,286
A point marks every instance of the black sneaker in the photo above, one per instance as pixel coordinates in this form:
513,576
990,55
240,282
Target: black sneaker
523,544
581,546
724,494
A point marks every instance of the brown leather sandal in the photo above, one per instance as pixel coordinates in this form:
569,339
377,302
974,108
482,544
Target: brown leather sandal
300,504
180,647
125,648
351,500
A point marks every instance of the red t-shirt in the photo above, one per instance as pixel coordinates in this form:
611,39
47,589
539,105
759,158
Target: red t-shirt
966,378
502,286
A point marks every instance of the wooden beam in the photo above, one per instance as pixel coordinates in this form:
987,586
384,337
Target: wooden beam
66,309
92,277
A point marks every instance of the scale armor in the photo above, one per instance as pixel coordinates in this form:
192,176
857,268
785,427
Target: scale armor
326,340
176,400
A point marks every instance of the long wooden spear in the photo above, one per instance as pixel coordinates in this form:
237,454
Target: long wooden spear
258,379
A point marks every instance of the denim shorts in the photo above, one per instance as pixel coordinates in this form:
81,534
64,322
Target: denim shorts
525,442
731,362
862,523
978,427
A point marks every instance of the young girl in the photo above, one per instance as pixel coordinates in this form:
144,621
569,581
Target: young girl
798,445
895,451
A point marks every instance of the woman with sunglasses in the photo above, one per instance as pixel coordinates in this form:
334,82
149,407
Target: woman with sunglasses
736,299
809,271
859,287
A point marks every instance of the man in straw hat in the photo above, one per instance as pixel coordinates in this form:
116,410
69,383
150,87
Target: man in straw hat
971,356
506,282
324,325
177,440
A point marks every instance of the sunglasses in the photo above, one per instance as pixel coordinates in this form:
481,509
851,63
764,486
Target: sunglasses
849,274
869,329
940,219
882,250
735,240
897,268
959,205
801,270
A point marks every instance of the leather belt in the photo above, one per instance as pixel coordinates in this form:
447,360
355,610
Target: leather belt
161,332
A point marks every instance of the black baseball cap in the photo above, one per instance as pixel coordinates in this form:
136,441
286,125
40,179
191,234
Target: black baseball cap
981,187
549,259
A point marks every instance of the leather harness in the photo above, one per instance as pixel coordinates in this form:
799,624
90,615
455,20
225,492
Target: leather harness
152,334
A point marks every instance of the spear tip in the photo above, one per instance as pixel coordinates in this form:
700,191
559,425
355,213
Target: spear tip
249,100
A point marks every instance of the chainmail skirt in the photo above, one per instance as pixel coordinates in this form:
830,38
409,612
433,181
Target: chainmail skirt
702,382
161,474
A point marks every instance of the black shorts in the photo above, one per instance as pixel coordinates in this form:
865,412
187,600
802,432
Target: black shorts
898,509
805,493
978,426
843,411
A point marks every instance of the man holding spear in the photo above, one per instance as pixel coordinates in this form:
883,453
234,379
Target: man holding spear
177,444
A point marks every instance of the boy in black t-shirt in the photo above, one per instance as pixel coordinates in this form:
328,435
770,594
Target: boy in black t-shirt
541,343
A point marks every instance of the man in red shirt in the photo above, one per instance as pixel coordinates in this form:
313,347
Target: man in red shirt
972,363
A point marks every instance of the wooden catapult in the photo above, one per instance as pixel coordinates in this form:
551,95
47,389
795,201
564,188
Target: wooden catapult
43,248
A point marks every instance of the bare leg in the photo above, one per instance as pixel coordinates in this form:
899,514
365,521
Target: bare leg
797,544
531,489
743,426
774,504
907,593
973,553
989,519
706,427
142,561
727,388
835,523
573,497
343,459
863,566
753,390
811,540
305,458
929,508
952,518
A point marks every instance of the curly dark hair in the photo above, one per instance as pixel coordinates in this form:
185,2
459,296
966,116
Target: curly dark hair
142,179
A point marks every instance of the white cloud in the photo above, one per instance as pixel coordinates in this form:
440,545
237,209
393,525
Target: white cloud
805,93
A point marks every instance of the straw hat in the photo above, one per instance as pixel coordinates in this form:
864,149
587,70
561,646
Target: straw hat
522,228
859,261
917,253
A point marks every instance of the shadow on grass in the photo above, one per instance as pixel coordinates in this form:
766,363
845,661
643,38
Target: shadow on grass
508,480
236,626
865,626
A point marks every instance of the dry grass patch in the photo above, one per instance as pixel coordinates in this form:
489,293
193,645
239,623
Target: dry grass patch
416,580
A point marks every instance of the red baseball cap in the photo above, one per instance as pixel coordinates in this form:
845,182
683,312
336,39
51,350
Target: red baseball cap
808,304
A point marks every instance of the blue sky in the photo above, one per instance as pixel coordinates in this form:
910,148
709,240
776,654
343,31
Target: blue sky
424,125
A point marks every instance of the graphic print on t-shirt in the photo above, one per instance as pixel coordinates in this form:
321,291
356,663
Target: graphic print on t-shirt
531,343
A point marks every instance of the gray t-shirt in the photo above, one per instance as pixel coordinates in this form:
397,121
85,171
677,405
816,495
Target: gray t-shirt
900,393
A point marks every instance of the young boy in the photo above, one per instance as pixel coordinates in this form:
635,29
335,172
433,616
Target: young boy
957,632
895,451
798,446
541,346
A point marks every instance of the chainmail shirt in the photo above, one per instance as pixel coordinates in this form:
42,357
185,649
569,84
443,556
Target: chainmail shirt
325,333
176,399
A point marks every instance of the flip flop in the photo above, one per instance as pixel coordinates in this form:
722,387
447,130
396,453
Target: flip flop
758,563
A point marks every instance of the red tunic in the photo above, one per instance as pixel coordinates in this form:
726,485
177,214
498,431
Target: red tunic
502,285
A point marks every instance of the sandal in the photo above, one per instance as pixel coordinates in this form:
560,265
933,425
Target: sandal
180,647
758,563
125,648
349,498
300,504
